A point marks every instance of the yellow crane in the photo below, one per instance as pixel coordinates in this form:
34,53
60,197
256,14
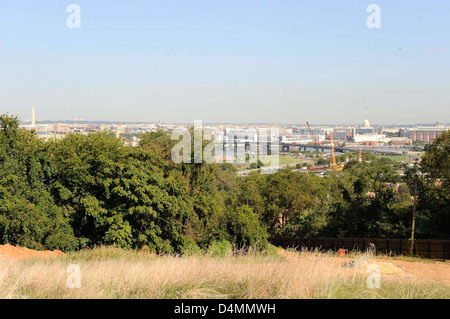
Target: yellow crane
333,165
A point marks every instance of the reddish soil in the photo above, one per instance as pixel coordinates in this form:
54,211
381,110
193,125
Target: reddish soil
428,271
424,271
19,253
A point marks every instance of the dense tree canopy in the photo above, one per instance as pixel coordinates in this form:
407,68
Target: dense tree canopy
433,179
29,215
87,190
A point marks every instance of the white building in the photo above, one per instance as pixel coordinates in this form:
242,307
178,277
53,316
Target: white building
368,137
366,134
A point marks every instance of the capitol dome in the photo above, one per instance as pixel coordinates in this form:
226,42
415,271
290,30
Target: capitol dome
366,123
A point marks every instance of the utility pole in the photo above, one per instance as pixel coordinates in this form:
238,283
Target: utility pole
333,165
413,218
413,226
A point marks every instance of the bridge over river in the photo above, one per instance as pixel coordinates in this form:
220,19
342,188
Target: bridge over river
286,147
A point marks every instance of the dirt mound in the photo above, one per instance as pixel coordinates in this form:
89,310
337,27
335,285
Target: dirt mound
19,253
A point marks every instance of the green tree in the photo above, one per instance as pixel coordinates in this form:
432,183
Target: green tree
118,195
434,191
28,214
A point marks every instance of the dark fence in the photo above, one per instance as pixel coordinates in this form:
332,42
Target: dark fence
423,248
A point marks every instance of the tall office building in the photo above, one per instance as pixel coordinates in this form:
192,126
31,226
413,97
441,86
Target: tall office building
33,117
427,134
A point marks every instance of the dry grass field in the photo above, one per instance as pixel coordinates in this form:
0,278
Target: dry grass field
115,273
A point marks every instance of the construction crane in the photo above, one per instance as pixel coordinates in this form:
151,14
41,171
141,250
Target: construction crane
296,151
333,165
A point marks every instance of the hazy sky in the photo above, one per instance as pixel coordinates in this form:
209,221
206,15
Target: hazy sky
286,61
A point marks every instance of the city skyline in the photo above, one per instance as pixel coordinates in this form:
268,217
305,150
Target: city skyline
33,122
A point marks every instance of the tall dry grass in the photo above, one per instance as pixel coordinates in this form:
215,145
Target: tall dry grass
114,273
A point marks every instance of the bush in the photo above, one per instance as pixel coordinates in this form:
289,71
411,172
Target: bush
245,229
189,247
322,161
220,248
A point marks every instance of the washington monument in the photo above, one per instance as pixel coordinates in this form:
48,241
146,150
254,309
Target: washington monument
33,117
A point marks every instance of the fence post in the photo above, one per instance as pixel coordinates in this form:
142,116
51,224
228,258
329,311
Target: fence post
429,249
445,249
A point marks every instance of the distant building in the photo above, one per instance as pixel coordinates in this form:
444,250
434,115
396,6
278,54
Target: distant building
400,141
47,137
365,128
366,134
426,134
366,124
368,137
340,135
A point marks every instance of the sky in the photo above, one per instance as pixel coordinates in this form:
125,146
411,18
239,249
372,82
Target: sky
239,61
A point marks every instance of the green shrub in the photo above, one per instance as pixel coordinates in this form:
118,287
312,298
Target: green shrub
189,247
245,229
220,248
